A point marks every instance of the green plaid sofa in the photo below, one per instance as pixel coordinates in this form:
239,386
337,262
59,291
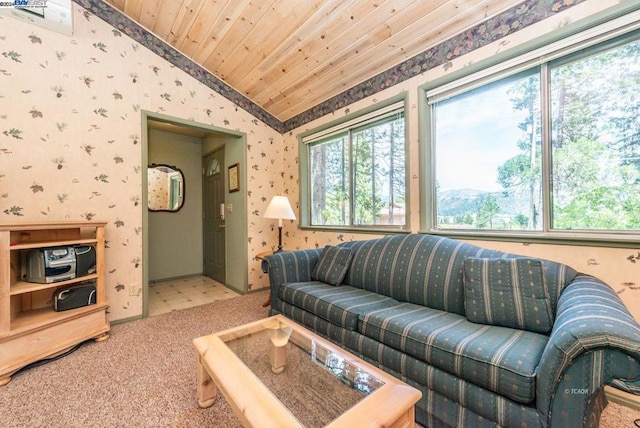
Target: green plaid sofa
401,306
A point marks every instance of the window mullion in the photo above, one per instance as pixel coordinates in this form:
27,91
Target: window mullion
309,174
547,168
352,184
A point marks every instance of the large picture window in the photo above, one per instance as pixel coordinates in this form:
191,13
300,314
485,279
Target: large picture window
551,146
357,172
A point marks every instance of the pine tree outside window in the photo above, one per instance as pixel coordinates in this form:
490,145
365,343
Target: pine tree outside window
357,172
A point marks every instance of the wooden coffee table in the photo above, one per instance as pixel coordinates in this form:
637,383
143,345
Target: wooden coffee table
274,372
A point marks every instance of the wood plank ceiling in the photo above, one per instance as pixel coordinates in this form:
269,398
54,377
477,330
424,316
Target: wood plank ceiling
290,55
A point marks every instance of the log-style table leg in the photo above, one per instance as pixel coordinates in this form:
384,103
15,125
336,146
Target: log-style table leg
207,388
265,269
277,358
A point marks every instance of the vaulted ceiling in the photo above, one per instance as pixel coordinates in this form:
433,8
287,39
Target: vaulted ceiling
288,56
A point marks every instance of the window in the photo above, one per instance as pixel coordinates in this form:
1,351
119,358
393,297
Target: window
357,172
595,140
550,145
488,154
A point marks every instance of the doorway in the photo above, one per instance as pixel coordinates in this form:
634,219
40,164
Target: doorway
228,146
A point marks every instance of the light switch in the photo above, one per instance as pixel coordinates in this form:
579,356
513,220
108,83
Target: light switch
229,208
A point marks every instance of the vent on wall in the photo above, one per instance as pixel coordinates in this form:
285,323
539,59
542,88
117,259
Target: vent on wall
55,15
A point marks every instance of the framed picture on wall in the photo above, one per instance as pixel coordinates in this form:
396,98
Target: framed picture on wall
234,178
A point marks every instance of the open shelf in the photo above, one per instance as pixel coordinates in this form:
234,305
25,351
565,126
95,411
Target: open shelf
23,287
34,245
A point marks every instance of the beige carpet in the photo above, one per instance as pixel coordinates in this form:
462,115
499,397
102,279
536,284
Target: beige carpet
144,376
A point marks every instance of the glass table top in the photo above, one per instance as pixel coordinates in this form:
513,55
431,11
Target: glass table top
314,383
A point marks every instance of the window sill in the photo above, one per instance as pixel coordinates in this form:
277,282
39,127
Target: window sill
596,239
359,230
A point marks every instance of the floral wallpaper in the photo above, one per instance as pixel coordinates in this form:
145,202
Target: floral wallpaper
70,137
158,189
159,47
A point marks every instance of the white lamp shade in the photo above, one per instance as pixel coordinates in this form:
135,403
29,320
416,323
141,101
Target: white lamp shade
280,208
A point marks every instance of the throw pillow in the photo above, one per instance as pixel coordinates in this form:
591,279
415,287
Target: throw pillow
507,292
332,265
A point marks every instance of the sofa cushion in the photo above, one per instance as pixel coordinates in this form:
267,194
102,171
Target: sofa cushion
507,292
332,265
501,359
428,269
341,305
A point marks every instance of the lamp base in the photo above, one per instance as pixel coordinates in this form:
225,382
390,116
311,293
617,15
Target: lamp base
279,250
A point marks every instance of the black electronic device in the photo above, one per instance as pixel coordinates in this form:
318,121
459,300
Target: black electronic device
85,260
75,297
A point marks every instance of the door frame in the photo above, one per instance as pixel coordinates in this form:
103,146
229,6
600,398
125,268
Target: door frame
233,252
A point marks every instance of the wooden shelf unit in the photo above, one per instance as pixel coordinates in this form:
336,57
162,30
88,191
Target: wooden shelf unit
30,329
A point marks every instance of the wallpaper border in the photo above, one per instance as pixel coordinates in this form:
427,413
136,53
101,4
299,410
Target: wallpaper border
510,21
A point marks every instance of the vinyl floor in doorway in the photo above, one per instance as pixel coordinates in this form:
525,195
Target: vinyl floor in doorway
173,295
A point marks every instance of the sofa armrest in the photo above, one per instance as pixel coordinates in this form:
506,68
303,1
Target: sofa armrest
595,341
290,266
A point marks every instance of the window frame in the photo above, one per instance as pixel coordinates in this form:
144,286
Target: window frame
545,54
351,123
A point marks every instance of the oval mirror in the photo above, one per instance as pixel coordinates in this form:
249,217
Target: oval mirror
165,188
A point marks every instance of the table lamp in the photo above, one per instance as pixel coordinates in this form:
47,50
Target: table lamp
279,208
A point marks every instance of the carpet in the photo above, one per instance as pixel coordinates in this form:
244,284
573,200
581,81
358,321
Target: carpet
144,376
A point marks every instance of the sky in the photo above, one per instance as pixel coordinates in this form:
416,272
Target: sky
472,141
